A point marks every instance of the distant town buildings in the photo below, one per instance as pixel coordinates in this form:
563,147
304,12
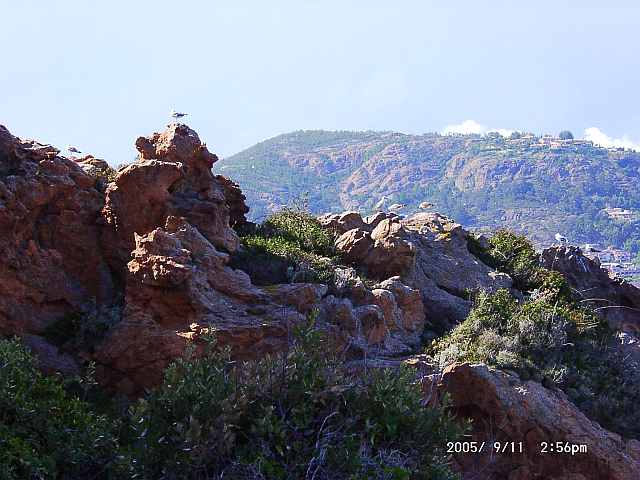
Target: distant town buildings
617,213
617,262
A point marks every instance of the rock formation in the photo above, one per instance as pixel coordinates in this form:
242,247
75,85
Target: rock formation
171,177
52,263
428,251
613,298
146,257
505,409
179,287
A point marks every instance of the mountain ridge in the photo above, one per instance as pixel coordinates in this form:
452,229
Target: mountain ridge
537,184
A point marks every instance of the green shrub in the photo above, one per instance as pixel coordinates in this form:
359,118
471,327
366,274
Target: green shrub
553,341
44,431
293,415
302,229
515,255
290,246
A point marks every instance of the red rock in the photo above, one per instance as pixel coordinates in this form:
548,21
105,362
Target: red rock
51,262
179,287
614,299
505,409
171,177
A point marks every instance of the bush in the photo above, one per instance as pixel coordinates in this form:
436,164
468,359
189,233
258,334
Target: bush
294,415
302,229
553,341
290,246
515,255
44,431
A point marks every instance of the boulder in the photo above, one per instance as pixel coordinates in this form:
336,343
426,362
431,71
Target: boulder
445,271
613,298
505,409
386,319
380,248
428,251
342,222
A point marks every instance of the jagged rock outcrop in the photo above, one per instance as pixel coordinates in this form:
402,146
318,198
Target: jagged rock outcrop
235,200
445,271
51,263
179,287
506,409
613,298
427,250
171,177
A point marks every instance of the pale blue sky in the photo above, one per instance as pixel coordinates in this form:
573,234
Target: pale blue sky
98,74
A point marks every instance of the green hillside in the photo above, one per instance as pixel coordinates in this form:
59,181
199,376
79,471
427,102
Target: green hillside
535,185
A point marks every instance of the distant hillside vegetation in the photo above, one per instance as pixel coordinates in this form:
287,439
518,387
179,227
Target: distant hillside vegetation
535,185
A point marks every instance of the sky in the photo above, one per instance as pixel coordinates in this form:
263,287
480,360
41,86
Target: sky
99,74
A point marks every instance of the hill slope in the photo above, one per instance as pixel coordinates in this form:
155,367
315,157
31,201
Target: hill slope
535,185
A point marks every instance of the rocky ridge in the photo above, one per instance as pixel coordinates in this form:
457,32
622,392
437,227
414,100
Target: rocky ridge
142,265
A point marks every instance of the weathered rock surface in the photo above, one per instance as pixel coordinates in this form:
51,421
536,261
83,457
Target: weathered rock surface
235,200
51,262
387,319
171,177
613,298
506,409
445,271
378,244
428,251
178,287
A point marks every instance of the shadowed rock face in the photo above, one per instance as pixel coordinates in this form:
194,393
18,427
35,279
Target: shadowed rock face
51,263
445,271
614,299
505,409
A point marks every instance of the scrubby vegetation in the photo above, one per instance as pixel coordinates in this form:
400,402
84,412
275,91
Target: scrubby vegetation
289,246
515,255
293,415
45,432
546,336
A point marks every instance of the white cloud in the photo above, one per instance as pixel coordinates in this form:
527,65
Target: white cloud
466,127
598,137
471,126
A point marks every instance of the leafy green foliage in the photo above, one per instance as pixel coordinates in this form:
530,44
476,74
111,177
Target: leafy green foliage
515,255
287,416
553,341
298,414
290,245
44,431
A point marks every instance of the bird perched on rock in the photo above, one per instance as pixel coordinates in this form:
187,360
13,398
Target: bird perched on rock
380,203
425,205
560,238
178,115
73,149
396,206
